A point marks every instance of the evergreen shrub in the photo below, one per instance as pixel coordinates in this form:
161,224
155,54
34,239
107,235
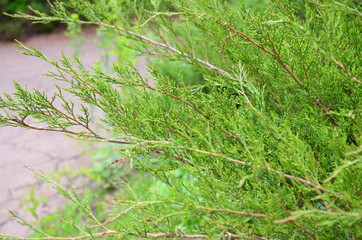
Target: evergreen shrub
266,144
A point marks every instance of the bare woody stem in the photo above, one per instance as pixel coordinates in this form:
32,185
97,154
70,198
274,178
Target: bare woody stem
168,235
93,235
229,235
111,232
217,155
301,180
246,214
152,42
18,123
76,121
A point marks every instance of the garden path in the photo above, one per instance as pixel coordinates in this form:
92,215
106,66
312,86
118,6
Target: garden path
48,151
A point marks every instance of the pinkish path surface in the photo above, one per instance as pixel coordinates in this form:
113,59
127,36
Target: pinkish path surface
40,150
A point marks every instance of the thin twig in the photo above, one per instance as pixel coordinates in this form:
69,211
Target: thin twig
301,180
255,215
175,97
217,155
243,233
93,235
18,123
326,112
184,160
170,235
196,109
341,66
225,41
181,159
76,121
288,176
247,38
152,42
95,89
170,48
277,57
358,150
294,222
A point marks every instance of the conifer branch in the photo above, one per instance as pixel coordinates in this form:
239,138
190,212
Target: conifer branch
233,160
301,180
277,57
18,123
232,135
152,42
170,235
341,66
358,150
175,97
254,215
228,229
225,41
273,53
92,235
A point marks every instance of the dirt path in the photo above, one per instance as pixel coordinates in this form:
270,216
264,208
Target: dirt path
40,150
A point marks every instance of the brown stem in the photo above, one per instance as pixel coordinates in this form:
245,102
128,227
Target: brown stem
95,89
181,159
93,235
341,66
232,135
218,155
76,121
255,215
225,41
288,176
326,112
152,42
170,235
175,97
17,123
237,230
247,38
301,180
295,223
277,57
172,49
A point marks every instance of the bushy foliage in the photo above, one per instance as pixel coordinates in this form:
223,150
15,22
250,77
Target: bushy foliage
266,144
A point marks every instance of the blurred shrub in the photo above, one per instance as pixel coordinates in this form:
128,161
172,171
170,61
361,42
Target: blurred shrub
11,28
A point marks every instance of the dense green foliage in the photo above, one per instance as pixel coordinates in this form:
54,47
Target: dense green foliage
258,135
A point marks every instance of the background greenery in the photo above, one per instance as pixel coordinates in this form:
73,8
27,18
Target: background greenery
263,140
11,28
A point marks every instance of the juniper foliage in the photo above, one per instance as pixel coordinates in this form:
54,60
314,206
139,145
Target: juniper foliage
267,145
